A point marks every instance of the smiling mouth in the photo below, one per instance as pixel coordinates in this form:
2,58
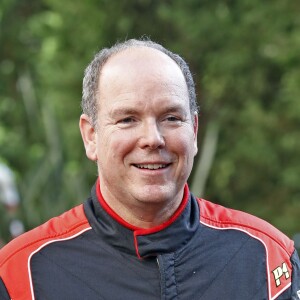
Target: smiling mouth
151,166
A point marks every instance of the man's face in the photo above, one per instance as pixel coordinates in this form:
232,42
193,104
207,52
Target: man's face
145,140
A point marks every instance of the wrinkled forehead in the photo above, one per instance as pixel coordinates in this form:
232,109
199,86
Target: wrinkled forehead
142,74
138,63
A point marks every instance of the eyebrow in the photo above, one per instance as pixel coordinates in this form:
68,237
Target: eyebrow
122,111
175,108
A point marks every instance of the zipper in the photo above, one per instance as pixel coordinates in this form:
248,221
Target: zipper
162,277
167,279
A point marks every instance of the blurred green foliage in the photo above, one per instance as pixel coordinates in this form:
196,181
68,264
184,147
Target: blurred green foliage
245,58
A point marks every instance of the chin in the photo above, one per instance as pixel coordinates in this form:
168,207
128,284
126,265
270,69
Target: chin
156,194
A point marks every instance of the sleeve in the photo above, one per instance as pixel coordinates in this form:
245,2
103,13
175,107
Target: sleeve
3,291
295,276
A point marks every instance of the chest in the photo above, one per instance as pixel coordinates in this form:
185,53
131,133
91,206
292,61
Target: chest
210,266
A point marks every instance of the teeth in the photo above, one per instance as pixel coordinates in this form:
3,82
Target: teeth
151,166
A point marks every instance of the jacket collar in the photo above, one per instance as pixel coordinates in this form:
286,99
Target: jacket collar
165,238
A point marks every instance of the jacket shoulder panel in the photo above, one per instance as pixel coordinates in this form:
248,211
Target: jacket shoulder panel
279,247
15,256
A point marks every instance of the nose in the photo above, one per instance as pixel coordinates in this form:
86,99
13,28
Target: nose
151,136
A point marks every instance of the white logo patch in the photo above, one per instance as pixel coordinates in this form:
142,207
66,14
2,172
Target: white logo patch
279,272
298,293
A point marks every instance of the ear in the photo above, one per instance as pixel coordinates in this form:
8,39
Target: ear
88,135
195,125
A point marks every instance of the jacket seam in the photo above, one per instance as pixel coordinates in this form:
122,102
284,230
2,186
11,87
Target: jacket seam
175,274
248,227
43,239
70,273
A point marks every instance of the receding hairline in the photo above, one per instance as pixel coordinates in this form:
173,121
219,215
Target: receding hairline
159,56
92,74
142,47
122,53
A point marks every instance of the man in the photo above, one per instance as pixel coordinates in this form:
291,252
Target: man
142,234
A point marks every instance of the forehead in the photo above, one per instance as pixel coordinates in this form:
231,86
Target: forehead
140,70
134,56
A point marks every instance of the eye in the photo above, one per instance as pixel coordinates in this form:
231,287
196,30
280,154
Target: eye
172,119
126,120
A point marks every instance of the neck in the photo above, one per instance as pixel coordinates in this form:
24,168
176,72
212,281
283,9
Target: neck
138,214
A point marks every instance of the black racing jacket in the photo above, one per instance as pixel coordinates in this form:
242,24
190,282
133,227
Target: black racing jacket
205,251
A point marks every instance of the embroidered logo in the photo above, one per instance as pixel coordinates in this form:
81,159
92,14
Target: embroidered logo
298,293
279,272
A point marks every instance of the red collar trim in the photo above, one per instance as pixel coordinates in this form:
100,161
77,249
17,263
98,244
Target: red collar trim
138,230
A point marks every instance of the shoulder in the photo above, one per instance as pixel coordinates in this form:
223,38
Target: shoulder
220,217
278,247
15,256
66,225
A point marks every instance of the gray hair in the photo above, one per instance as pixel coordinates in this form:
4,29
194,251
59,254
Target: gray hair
93,70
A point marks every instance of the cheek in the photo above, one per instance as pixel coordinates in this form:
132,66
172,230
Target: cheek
183,143
115,146
184,148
